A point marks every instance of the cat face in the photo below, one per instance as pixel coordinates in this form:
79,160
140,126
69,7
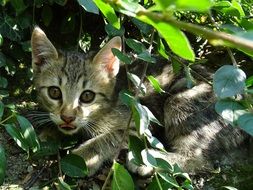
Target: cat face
76,89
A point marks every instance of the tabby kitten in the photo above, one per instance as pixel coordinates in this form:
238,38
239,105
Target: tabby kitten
78,92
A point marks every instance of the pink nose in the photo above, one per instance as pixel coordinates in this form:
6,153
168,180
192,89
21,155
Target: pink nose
68,119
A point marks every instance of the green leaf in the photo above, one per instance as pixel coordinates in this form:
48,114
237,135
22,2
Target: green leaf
190,5
121,180
136,81
189,78
227,8
89,6
47,15
151,117
18,5
8,28
245,122
155,83
112,31
73,166
146,56
228,81
135,146
154,184
135,45
62,185
48,148
1,110
249,81
161,49
108,12
144,120
28,133
121,56
229,188
16,134
142,26
171,180
155,143
164,165
148,159
3,164
3,82
174,37
229,110
126,97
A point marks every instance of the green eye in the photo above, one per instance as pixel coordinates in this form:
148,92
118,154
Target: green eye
87,96
54,92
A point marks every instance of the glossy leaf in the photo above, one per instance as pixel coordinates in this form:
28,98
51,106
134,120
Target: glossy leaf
112,31
155,83
229,110
16,134
146,56
73,166
136,81
174,37
1,42
148,159
121,180
154,184
108,12
151,117
228,81
170,179
8,29
28,133
144,120
229,188
89,6
3,164
245,122
62,185
135,45
161,49
189,5
121,56
164,165
136,146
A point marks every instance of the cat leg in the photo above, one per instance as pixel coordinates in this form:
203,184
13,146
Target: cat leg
99,149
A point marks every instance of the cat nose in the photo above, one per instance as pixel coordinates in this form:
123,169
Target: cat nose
68,119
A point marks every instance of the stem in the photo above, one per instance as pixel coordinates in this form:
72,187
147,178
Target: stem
6,119
158,182
241,43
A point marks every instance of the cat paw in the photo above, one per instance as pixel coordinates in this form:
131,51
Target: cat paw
141,170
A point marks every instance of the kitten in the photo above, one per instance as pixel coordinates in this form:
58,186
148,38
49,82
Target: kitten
79,92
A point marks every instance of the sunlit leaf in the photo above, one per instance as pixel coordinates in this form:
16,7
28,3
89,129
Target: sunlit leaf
136,81
16,134
73,166
170,179
245,122
62,185
28,133
89,6
174,37
155,83
108,12
228,81
148,159
136,146
121,180
229,110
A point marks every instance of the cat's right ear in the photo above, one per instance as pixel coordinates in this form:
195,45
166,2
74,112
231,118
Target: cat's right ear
42,48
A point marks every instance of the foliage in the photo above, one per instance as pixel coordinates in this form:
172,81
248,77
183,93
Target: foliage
148,27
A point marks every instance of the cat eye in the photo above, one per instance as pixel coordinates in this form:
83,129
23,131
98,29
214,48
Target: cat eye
54,92
87,96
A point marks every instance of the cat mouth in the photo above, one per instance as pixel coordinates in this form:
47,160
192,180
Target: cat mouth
67,126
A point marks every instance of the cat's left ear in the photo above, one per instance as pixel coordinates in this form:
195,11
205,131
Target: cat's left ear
106,58
42,48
